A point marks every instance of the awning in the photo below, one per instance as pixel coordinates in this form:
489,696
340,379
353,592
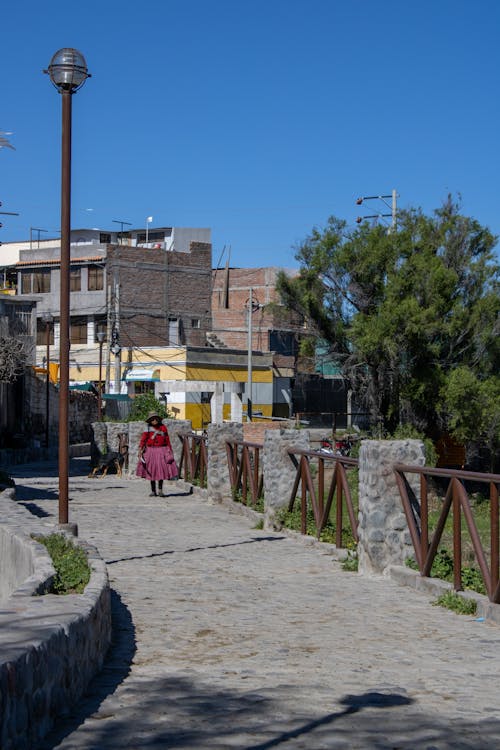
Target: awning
139,374
82,387
116,397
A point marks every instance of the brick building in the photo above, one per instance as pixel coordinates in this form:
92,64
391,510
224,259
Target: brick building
274,329
164,297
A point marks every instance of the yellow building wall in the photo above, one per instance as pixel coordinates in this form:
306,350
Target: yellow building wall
227,374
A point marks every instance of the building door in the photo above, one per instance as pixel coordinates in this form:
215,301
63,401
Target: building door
173,331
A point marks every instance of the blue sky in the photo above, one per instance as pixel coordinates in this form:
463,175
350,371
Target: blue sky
257,119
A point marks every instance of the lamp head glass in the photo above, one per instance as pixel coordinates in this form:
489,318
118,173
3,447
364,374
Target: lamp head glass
68,69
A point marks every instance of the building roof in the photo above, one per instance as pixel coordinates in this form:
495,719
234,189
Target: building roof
57,261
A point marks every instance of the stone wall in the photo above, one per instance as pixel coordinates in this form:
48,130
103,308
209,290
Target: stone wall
279,468
384,538
218,482
52,645
105,435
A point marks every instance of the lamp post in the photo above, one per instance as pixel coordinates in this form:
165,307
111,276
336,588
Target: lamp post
67,71
47,319
101,337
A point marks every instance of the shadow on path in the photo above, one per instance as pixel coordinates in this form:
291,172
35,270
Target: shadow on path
178,712
115,669
195,549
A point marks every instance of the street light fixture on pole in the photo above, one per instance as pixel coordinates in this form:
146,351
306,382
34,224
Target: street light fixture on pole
393,206
68,72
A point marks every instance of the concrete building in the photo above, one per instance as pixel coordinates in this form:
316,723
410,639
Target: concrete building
152,297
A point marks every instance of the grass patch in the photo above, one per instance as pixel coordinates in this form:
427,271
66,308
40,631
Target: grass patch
350,565
70,563
259,524
442,568
258,506
451,600
293,521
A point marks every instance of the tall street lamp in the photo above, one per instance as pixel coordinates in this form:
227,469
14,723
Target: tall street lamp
101,337
67,71
47,319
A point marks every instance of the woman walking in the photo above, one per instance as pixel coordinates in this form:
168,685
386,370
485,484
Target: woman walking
156,457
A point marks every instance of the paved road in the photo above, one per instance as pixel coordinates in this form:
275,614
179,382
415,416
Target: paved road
227,636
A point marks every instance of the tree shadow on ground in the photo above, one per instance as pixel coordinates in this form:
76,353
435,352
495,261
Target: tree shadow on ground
180,712
115,669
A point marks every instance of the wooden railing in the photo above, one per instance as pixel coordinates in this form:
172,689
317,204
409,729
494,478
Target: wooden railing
245,473
313,492
193,463
457,502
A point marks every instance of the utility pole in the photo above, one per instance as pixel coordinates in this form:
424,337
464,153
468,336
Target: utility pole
393,206
108,338
252,307
249,359
115,340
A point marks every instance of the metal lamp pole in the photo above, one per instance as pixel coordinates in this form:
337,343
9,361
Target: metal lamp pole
67,71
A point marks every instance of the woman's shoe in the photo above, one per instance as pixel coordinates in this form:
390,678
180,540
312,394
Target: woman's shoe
160,494
152,494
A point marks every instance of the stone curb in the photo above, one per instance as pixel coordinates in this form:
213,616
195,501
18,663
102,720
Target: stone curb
51,646
435,587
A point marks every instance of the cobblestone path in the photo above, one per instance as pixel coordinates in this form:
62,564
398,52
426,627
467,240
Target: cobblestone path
226,636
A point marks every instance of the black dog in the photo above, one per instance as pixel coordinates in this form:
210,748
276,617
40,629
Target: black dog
112,458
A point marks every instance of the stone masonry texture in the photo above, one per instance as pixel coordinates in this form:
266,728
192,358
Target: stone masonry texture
384,538
50,646
228,636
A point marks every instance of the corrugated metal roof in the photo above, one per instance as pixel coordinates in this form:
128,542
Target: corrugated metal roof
57,261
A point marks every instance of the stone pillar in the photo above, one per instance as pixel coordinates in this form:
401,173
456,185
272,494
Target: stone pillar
279,469
236,408
176,429
99,441
384,538
218,483
217,404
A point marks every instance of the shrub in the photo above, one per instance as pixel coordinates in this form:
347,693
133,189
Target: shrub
70,563
145,403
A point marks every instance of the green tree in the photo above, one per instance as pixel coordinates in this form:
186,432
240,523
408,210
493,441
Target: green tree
145,403
402,311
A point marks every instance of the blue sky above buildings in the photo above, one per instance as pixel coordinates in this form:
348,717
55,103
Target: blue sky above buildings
258,119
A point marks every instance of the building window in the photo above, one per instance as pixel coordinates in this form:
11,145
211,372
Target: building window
152,237
141,387
283,342
195,323
78,331
105,238
75,279
41,333
26,283
41,282
96,279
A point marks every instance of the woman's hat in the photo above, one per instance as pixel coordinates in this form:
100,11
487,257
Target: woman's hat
153,415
